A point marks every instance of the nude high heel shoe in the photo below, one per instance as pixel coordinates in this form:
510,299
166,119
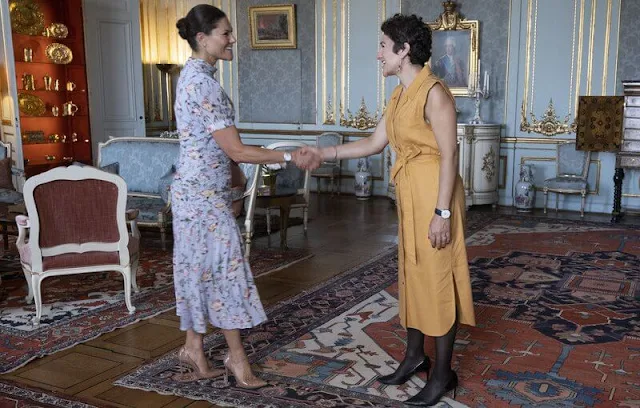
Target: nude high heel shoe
187,362
242,373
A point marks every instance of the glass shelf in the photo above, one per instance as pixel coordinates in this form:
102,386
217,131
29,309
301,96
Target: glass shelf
47,63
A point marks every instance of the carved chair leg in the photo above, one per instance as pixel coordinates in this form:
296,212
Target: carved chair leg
557,199
583,193
36,281
163,238
247,246
546,199
268,221
134,274
305,218
27,276
126,275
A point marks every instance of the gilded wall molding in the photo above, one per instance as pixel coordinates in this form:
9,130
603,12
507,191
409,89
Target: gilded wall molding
362,120
549,124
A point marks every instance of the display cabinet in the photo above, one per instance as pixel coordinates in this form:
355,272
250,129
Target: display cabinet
44,58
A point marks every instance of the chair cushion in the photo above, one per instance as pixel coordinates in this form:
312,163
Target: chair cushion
10,196
325,171
566,183
73,260
149,207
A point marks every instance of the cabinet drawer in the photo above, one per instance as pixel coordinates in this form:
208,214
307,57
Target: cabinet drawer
632,134
632,101
632,123
631,112
629,161
631,146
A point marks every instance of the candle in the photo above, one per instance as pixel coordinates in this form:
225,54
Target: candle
478,74
486,81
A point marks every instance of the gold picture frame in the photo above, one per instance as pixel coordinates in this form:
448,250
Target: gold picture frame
273,26
456,66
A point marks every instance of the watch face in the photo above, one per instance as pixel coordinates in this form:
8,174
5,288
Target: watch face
446,213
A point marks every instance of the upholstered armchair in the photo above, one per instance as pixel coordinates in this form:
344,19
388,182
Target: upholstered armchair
292,177
571,178
331,168
253,174
76,223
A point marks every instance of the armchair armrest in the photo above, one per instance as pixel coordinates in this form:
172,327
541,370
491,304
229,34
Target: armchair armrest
22,221
131,215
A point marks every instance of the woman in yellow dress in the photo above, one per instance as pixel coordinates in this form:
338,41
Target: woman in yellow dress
433,271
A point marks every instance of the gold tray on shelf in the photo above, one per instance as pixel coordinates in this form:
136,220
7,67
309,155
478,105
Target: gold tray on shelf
31,105
58,30
59,53
26,17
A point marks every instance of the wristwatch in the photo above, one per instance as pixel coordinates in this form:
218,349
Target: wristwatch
443,213
287,157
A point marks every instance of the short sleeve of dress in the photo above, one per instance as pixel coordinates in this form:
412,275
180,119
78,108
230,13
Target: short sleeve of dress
214,105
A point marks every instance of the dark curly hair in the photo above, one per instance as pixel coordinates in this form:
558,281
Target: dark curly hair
200,19
411,30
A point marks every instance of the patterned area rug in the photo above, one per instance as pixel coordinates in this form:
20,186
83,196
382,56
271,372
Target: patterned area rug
78,308
557,308
14,395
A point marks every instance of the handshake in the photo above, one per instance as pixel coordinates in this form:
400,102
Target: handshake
307,158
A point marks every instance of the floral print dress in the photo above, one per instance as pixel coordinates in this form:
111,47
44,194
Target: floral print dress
213,282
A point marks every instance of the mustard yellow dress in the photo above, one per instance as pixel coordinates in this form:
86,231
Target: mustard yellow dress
433,284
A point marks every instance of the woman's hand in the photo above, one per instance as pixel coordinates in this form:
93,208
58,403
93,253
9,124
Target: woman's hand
439,232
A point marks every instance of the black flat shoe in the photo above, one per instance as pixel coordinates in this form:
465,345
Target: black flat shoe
419,400
403,373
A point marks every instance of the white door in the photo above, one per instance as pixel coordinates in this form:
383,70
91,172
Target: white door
8,98
114,69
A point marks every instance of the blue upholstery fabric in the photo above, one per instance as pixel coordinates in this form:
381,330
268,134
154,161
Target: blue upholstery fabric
571,161
10,196
165,184
148,207
566,183
3,152
142,164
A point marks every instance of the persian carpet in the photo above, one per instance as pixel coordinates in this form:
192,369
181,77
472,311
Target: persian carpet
14,395
78,308
557,326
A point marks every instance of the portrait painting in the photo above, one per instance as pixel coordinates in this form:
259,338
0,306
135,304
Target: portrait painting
450,57
273,26
454,50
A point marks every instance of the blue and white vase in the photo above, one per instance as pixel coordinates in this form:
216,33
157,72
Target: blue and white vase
363,180
525,193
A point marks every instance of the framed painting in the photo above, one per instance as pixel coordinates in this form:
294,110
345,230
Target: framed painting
454,50
273,26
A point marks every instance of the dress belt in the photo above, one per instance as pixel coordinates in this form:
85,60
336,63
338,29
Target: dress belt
401,169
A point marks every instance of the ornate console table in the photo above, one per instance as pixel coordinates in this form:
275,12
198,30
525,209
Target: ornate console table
629,154
479,160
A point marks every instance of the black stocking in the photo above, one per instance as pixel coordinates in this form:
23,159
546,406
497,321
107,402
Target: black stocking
414,360
443,379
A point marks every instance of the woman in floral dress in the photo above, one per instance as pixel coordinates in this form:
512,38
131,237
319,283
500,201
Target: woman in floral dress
213,282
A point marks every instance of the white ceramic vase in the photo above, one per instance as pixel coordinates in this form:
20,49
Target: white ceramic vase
525,193
363,180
